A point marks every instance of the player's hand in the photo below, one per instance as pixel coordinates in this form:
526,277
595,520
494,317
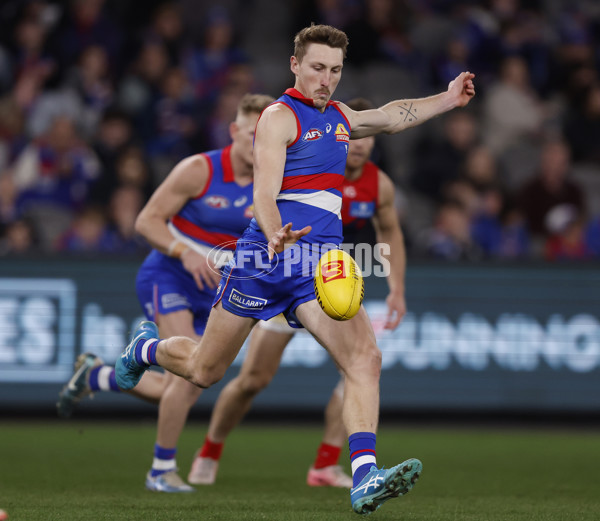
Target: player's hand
463,88
285,238
202,268
396,310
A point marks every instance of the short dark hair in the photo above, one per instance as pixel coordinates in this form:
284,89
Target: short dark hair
324,34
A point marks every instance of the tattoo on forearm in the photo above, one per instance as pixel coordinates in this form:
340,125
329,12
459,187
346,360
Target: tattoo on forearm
408,112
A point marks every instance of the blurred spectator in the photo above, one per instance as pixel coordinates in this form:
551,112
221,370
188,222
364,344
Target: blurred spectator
12,131
380,33
114,134
512,111
125,205
141,85
54,175
86,24
8,197
338,13
208,66
133,170
582,127
166,30
438,159
174,118
551,187
217,126
32,65
19,238
450,237
498,228
592,236
90,79
526,33
567,234
88,233
453,60
480,168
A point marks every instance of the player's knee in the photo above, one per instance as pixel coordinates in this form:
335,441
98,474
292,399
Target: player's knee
253,384
366,363
204,377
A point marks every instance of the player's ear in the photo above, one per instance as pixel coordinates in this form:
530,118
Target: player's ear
294,64
233,129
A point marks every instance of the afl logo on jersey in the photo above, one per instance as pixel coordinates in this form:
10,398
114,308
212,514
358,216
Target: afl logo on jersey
313,134
341,134
216,201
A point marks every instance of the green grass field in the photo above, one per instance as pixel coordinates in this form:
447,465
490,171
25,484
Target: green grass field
69,471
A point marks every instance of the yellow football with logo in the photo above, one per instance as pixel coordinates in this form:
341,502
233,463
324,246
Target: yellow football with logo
339,285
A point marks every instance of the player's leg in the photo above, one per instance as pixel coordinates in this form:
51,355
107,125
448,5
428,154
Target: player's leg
202,363
174,406
325,470
352,345
234,401
92,375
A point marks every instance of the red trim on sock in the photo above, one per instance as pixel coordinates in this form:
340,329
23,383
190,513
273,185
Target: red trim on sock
360,451
210,449
327,455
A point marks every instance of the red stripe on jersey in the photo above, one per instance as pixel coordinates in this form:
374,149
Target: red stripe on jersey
360,451
343,115
312,182
215,238
210,174
298,126
228,176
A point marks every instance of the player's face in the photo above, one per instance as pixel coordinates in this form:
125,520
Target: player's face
359,152
319,72
242,135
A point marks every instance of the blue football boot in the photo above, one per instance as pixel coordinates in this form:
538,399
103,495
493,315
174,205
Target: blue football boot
379,485
127,370
167,482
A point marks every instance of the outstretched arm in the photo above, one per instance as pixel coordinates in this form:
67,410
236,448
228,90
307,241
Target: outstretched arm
399,115
389,232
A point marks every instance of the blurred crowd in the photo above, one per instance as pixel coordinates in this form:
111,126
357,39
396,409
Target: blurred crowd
99,99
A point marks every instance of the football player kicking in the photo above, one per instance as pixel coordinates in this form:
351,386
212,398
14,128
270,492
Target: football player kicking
297,199
367,193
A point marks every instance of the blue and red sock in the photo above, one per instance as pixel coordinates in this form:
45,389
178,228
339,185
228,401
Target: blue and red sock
102,378
145,351
164,460
362,454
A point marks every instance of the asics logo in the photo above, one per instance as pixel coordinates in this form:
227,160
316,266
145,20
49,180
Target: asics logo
374,482
127,353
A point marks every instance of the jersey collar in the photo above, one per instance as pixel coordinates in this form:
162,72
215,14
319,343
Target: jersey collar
300,97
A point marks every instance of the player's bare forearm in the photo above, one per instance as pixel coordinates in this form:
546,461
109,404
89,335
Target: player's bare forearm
403,114
154,230
399,115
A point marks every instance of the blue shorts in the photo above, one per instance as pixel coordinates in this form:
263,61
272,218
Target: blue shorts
163,286
253,286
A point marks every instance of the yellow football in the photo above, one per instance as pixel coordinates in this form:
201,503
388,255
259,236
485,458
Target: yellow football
339,285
